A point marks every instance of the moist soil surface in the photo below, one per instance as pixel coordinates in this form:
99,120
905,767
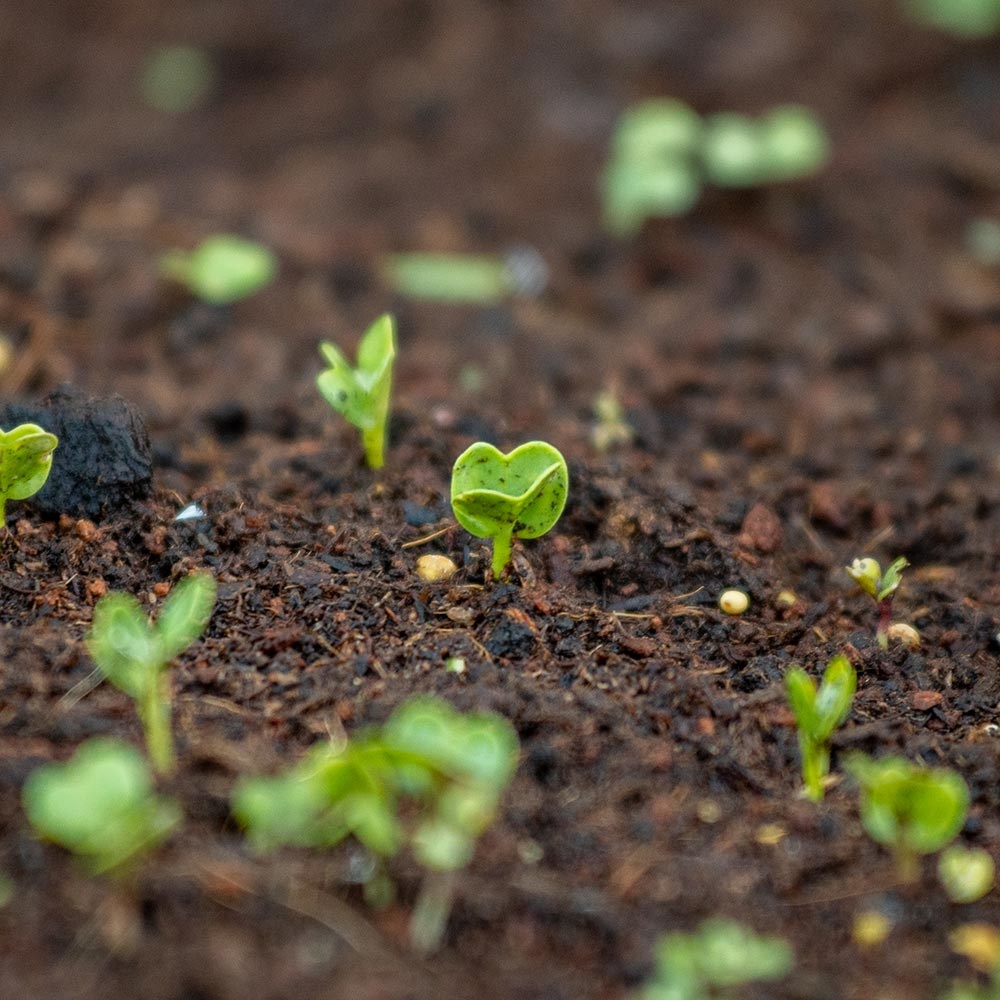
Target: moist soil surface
812,374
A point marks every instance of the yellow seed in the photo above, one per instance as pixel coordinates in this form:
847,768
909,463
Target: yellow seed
435,568
906,634
733,602
769,834
786,599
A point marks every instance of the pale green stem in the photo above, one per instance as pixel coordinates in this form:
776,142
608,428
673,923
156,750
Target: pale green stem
374,442
502,542
430,914
154,710
815,766
907,864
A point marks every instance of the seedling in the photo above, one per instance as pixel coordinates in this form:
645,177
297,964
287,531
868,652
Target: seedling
25,461
222,269
663,153
980,944
100,805
134,655
361,395
430,777
517,495
817,714
881,588
467,278
967,873
964,18
913,810
710,963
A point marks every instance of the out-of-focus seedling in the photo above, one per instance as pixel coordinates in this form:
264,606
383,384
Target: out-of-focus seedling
222,269
662,153
964,18
713,961
178,78
517,495
134,655
100,805
818,712
25,461
467,278
880,587
967,873
911,809
980,944
430,777
610,429
982,240
361,395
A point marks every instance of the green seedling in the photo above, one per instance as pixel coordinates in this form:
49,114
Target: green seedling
964,18
25,461
719,957
518,495
881,588
611,428
178,78
911,809
818,712
222,269
467,278
134,655
430,778
361,395
967,873
100,805
980,944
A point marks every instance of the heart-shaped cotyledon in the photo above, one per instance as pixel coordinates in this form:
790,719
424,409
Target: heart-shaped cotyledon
25,460
517,495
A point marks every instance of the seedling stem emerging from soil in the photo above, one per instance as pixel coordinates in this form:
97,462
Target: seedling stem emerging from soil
25,460
881,588
361,395
134,655
517,495
818,712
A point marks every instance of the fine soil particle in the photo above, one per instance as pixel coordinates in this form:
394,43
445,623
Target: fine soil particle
811,374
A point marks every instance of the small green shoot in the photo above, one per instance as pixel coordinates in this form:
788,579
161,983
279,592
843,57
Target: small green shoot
222,269
818,712
611,428
963,18
713,961
361,395
517,495
967,873
134,655
100,805
474,279
880,587
25,461
980,944
430,777
178,78
911,809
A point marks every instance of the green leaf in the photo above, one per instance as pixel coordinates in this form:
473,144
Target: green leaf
25,461
733,151
795,143
800,689
866,573
891,578
223,268
833,701
523,491
967,874
441,846
731,955
657,129
362,396
122,644
184,615
452,278
100,804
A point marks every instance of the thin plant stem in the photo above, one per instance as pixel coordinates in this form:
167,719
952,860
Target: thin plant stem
155,713
374,444
502,542
884,620
430,914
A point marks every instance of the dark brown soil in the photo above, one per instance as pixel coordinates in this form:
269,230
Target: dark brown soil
813,373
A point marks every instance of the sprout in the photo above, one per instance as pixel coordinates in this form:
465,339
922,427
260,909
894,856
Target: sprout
734,151
636,190
430,777
134,655
795,144
914,810
468,278
100,805
518,495
711,962
657,129
733,602
817,714
967,873
25,461
361,395
611,428
880,587
222,269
